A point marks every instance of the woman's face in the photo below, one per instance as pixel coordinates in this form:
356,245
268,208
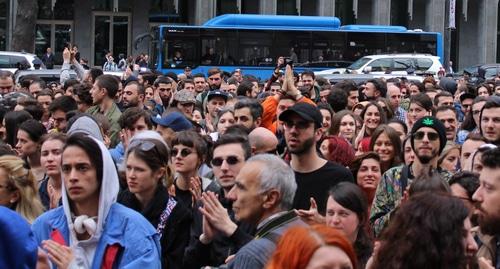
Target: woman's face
372,118
399,130
331,257
50,157
469,244
384,148
482,91
185,159
327,120
324,147
476,111
148,94
458,191
409,155
347,127
369,174
197,116
477,165
225,121
415,113
141,180
25,146
8,195
341,218
450,161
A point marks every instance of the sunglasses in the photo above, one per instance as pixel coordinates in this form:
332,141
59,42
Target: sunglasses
430,136
142,145
301,125
184,152
231,160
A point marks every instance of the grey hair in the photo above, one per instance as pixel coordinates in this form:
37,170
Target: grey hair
276,174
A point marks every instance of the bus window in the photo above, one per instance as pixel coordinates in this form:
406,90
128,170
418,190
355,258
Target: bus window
411,43
361,44
255,47
180,48
300,41
329,45
218,47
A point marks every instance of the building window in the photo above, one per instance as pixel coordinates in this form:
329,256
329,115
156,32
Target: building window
343,11
399,13
55,10
3,24
250,6
227,7
112,5
286,7
309,8
168,11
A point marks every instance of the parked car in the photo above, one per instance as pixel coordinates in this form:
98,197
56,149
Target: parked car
400,64
12,61
48,75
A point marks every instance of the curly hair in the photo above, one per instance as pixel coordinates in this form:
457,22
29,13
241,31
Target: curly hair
297,246
429,228
339,150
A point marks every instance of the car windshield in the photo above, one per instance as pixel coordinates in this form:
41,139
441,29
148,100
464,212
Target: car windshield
359,63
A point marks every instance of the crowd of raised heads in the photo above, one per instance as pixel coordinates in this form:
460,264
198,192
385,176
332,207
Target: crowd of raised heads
227,170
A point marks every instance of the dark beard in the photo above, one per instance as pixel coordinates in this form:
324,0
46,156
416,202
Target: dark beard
308,143
489,225
426,159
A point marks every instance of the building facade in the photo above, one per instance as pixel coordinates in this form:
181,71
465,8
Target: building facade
121,26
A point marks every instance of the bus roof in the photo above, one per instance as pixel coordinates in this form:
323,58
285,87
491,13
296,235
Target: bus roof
274,21
373,28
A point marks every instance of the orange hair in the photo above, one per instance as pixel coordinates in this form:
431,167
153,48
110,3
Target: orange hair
298,244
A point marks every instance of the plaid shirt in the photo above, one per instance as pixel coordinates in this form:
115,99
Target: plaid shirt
400,114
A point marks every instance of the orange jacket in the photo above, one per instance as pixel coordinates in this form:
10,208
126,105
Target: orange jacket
269,119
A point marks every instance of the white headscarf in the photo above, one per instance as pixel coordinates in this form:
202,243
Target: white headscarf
84,250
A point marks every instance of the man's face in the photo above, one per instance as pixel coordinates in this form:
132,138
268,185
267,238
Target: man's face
59,117
45,102
6,85
414,90
165,92
166,133
449,119
394,95
226,172
352,99
283,105
466,105
189,87
237,76
97,94
255,90
244,117
445,101
246,194
468,148
307,81
231,88
138,126
35,88
131,97
275,89
80,176
300,135
214,105
490,124
426,144
214,81
370,91
199,84
186,109
487,197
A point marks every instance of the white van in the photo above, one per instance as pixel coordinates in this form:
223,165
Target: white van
10,61
401,64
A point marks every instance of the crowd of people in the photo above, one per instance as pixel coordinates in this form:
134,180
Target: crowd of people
220,170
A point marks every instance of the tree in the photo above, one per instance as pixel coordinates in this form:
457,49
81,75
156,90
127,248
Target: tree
23,37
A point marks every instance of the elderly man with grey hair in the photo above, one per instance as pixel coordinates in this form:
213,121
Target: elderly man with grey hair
262,195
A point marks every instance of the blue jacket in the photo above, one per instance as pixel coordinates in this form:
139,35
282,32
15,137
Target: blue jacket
139,243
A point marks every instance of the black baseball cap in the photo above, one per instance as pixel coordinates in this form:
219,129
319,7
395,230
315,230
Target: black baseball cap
306,111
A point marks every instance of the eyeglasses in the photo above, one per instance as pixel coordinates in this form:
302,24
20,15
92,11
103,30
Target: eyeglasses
184,152
301,125
231,160
430,136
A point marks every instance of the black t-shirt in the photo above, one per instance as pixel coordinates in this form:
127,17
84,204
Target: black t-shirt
316,184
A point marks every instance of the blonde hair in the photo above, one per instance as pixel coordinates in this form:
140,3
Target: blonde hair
22,180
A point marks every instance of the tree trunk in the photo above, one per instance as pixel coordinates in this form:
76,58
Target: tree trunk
23,37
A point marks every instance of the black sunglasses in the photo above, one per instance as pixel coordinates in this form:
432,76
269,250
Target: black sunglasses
184,152
430,136
231,160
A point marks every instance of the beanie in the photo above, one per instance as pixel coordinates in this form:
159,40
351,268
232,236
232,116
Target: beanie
433,123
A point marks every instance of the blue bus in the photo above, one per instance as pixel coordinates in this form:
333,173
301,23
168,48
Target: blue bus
253,43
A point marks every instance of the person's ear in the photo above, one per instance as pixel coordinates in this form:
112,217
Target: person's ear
271,199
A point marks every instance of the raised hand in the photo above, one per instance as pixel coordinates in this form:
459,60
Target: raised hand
311,216
216,215
61,255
